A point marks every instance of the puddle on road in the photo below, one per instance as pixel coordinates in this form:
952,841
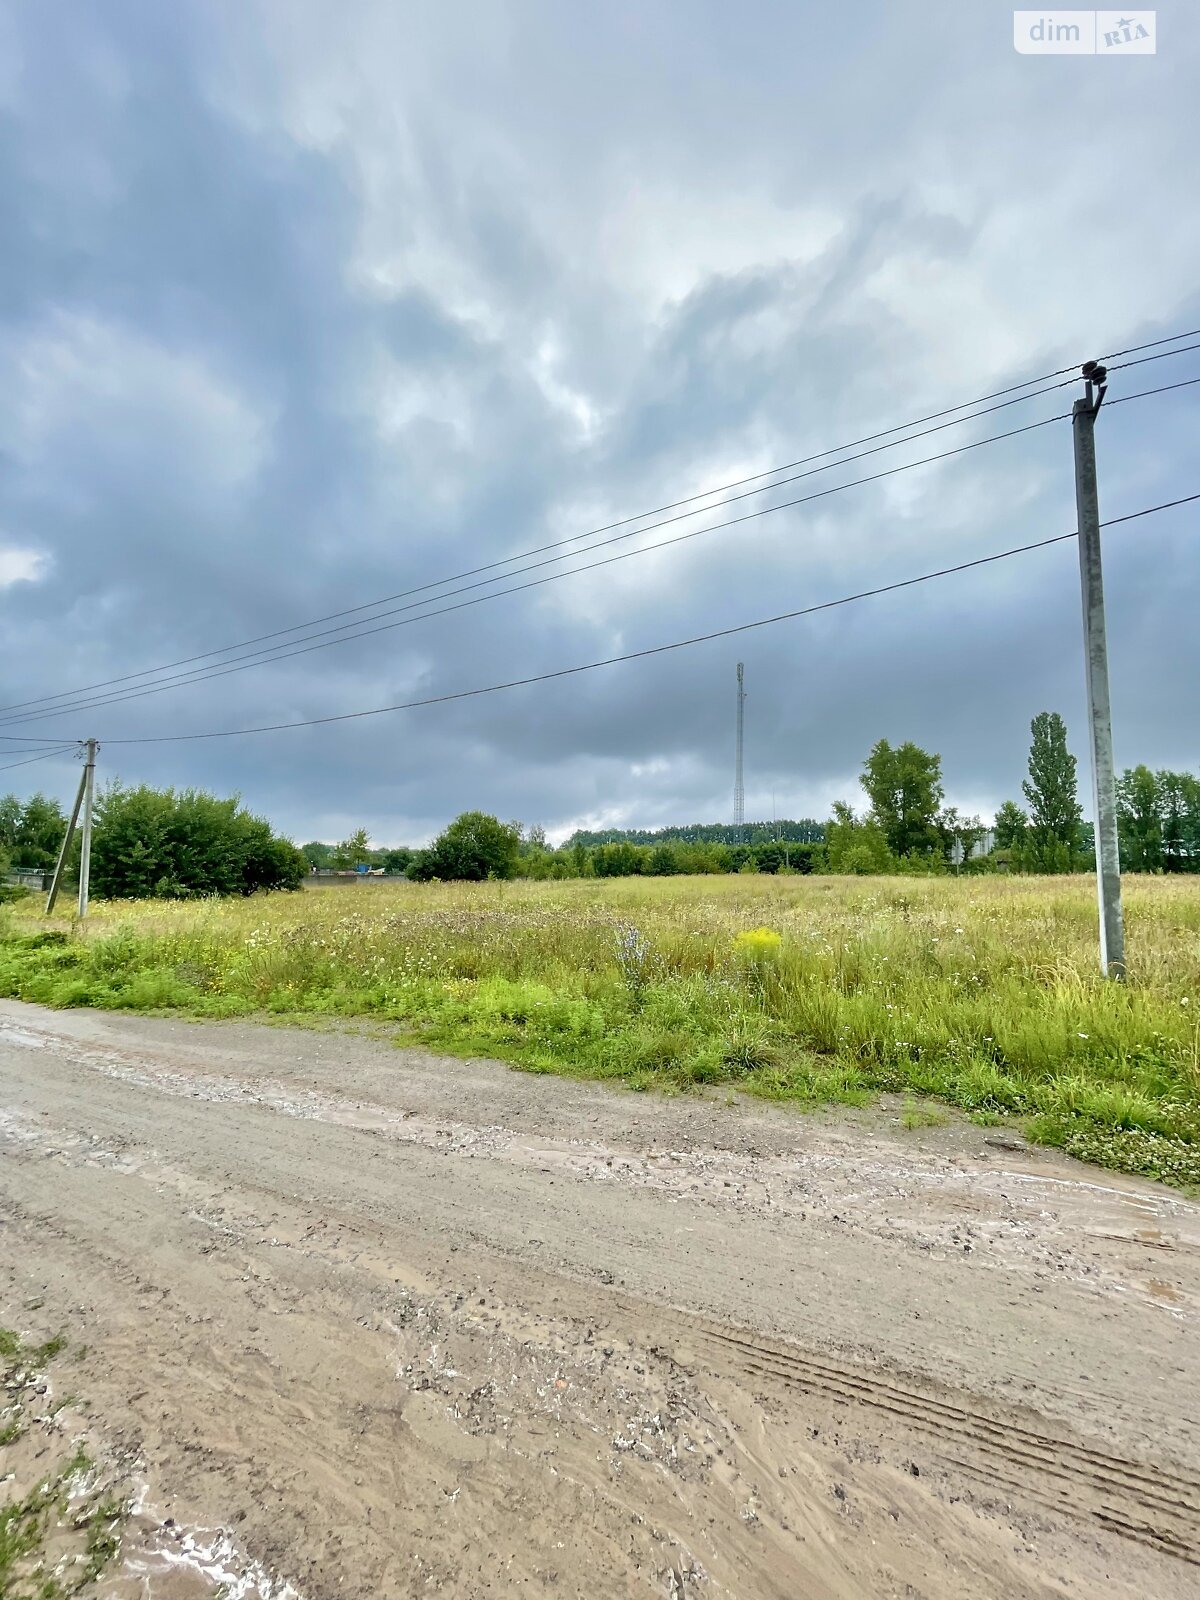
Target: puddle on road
163,1560
31,1041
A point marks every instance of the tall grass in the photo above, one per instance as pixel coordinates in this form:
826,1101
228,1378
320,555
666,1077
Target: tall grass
983,992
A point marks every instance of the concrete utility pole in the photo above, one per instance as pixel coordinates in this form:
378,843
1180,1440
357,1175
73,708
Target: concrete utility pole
85,853
1095,646
61,863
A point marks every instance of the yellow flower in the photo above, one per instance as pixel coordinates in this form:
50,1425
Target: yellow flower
759,944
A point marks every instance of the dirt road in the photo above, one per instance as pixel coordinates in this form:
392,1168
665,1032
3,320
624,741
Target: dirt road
333,1306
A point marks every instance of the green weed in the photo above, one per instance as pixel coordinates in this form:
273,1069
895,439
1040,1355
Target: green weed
63,1499
919,1115
983,993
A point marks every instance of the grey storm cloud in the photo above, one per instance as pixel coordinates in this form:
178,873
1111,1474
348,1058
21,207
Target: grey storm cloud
300,308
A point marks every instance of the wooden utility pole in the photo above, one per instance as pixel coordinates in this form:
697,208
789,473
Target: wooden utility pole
85,852
1095,646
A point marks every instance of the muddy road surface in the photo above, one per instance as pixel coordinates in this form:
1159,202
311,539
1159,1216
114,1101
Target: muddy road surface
372,1323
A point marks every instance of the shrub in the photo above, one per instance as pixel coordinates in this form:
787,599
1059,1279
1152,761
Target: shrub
178,845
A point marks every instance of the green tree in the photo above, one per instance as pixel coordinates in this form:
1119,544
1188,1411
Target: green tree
1158,819
31,831
10,821
621,860
904,786
269,861
705,858
1052,838
769,856
317,853
541,865
475,846
351,852
398,860
1180,802
804,831
581,859
1010,825
806,858
663,861
164,843
1140,820
854,845
536,860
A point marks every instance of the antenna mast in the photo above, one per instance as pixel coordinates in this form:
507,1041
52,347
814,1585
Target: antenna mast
739,793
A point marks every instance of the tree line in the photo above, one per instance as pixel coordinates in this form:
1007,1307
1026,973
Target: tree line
155,843
908,827
905,827
182,843
479,846
805,831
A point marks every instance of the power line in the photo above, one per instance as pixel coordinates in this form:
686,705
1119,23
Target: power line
44,756
1148,511
1143,394
653,650
30,749
1151,344
1161,356
578,538
623,522
280,653
226,670
306,649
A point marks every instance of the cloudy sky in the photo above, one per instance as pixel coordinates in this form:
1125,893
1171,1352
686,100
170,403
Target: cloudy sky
305,305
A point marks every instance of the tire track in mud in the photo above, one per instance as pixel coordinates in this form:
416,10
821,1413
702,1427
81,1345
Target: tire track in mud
199,1193
1154,1506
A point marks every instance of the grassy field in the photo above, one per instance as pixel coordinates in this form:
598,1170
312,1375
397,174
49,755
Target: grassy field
984,992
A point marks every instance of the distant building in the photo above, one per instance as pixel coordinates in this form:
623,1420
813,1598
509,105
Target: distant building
983,846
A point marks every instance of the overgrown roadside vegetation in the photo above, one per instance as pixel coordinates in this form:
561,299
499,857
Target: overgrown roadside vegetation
983,992
60,1521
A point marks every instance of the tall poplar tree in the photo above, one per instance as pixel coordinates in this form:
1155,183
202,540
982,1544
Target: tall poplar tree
1052,837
